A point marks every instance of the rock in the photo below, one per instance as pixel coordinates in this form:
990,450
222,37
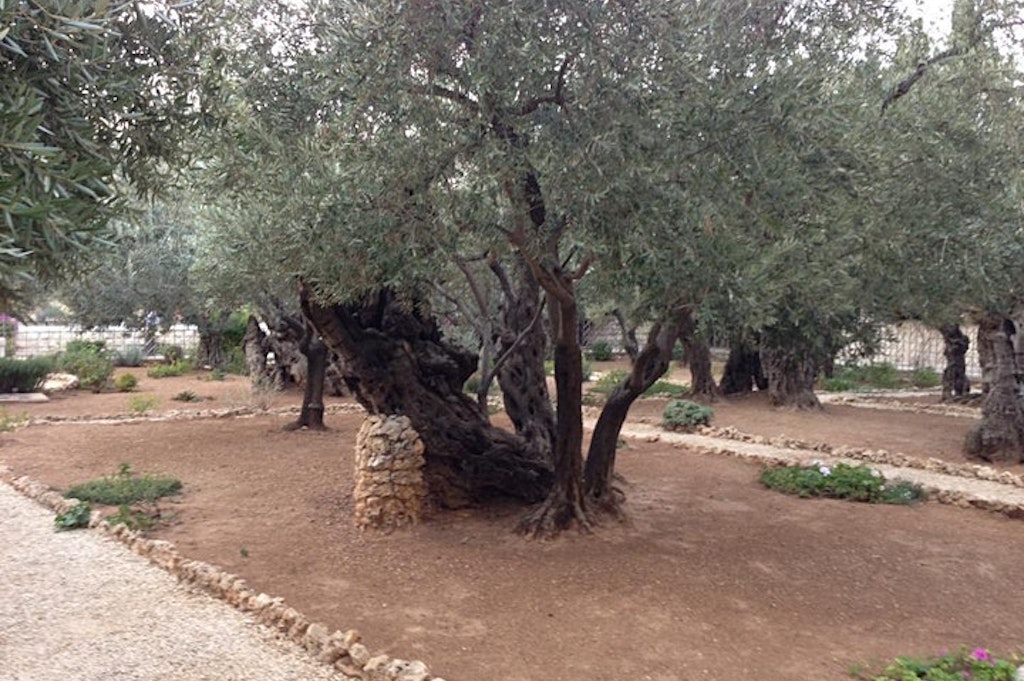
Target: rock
59,382
359,654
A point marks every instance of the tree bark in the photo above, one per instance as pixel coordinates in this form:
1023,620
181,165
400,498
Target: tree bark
790,377
651,363
1000,435
698,356
742,372
311,414
988,326
211,349
396,362
954,376
629,342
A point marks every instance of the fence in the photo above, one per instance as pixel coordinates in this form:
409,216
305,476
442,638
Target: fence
31,340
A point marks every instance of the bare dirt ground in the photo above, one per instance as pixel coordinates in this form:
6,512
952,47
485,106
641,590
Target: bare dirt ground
712,577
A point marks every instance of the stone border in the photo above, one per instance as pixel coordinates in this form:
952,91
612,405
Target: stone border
184,415
344,651
882,456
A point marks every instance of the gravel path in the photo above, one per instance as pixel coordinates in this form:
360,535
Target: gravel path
75,606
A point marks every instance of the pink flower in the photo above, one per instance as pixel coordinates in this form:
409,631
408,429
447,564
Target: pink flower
981,655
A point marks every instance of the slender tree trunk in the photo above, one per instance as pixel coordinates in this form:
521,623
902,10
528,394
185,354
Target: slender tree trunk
311,415
651,363
211,349
398,363
698,356
988,326
629,341
1000,435
954,377
790,378
564,505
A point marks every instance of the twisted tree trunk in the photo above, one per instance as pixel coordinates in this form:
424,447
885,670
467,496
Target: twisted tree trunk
790,377
1000,435
396,362
954,376
742,372
698,357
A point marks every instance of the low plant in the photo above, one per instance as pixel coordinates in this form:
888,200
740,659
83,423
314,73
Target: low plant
179,368
976,664
924,377
609,382
130,356
600,352
138,517
125,383
125,487
840,481
187,396
218,375
172,354
663,388
236,363
882,376
96,347
9,422
23,375
88,361
685,415
141,404
76,517
838,385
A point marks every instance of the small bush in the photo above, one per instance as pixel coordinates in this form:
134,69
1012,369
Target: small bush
667,389
218,375
236,363
838,385
23,375
609,381
141,404
96,347
125,488
125,383
87,361
976,664
685,415
172,354
841,481
925,378
135,517
187,396
600,352
9,422
78,516
179,368
131,356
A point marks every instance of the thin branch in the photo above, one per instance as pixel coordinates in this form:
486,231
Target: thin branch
435,90
557,97
904,86
518,339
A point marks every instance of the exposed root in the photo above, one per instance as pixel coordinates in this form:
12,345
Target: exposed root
555,515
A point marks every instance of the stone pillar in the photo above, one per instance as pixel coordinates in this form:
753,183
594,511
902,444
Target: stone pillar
390,490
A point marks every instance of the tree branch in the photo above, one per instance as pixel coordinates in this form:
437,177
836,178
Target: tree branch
904,86
558,97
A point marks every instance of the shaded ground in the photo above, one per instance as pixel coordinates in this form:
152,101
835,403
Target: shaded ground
714,577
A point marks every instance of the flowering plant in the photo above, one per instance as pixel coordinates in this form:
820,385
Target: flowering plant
975,664
840,481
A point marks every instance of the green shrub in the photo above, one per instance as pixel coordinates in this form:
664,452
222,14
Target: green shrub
976,664
179,368
97,347
141,404
125,383
23,375
135,517
838,385
125,487
218,375
131,356
187,396
76,517
172,354
87,361
685,415
600,352
609,381
925,378
852,377
841,481
236,363
667,389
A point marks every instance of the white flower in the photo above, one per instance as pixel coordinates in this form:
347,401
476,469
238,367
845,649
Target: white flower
825,470
875,474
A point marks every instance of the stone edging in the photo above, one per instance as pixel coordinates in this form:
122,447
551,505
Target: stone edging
870,401
882,456
185,415
342,650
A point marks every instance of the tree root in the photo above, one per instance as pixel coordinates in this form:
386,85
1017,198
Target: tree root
553,516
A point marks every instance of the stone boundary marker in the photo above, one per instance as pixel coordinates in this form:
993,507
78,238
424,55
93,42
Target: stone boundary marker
342,650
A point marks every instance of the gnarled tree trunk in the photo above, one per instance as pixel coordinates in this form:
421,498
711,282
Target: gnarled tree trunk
1000,435
651,363
698,357
954,376
311,415
742,372
790,377
396,362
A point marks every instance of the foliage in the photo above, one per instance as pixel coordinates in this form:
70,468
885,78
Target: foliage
130,356
23,375
92,94
685,415
218,374
977,664
840,481
137,517
663,388
236,364
142,404
178,368
925,378
187,396
74,518
881,376
609,382
126,383
97,347
172,354
125,487
600,351
9,422
88,361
